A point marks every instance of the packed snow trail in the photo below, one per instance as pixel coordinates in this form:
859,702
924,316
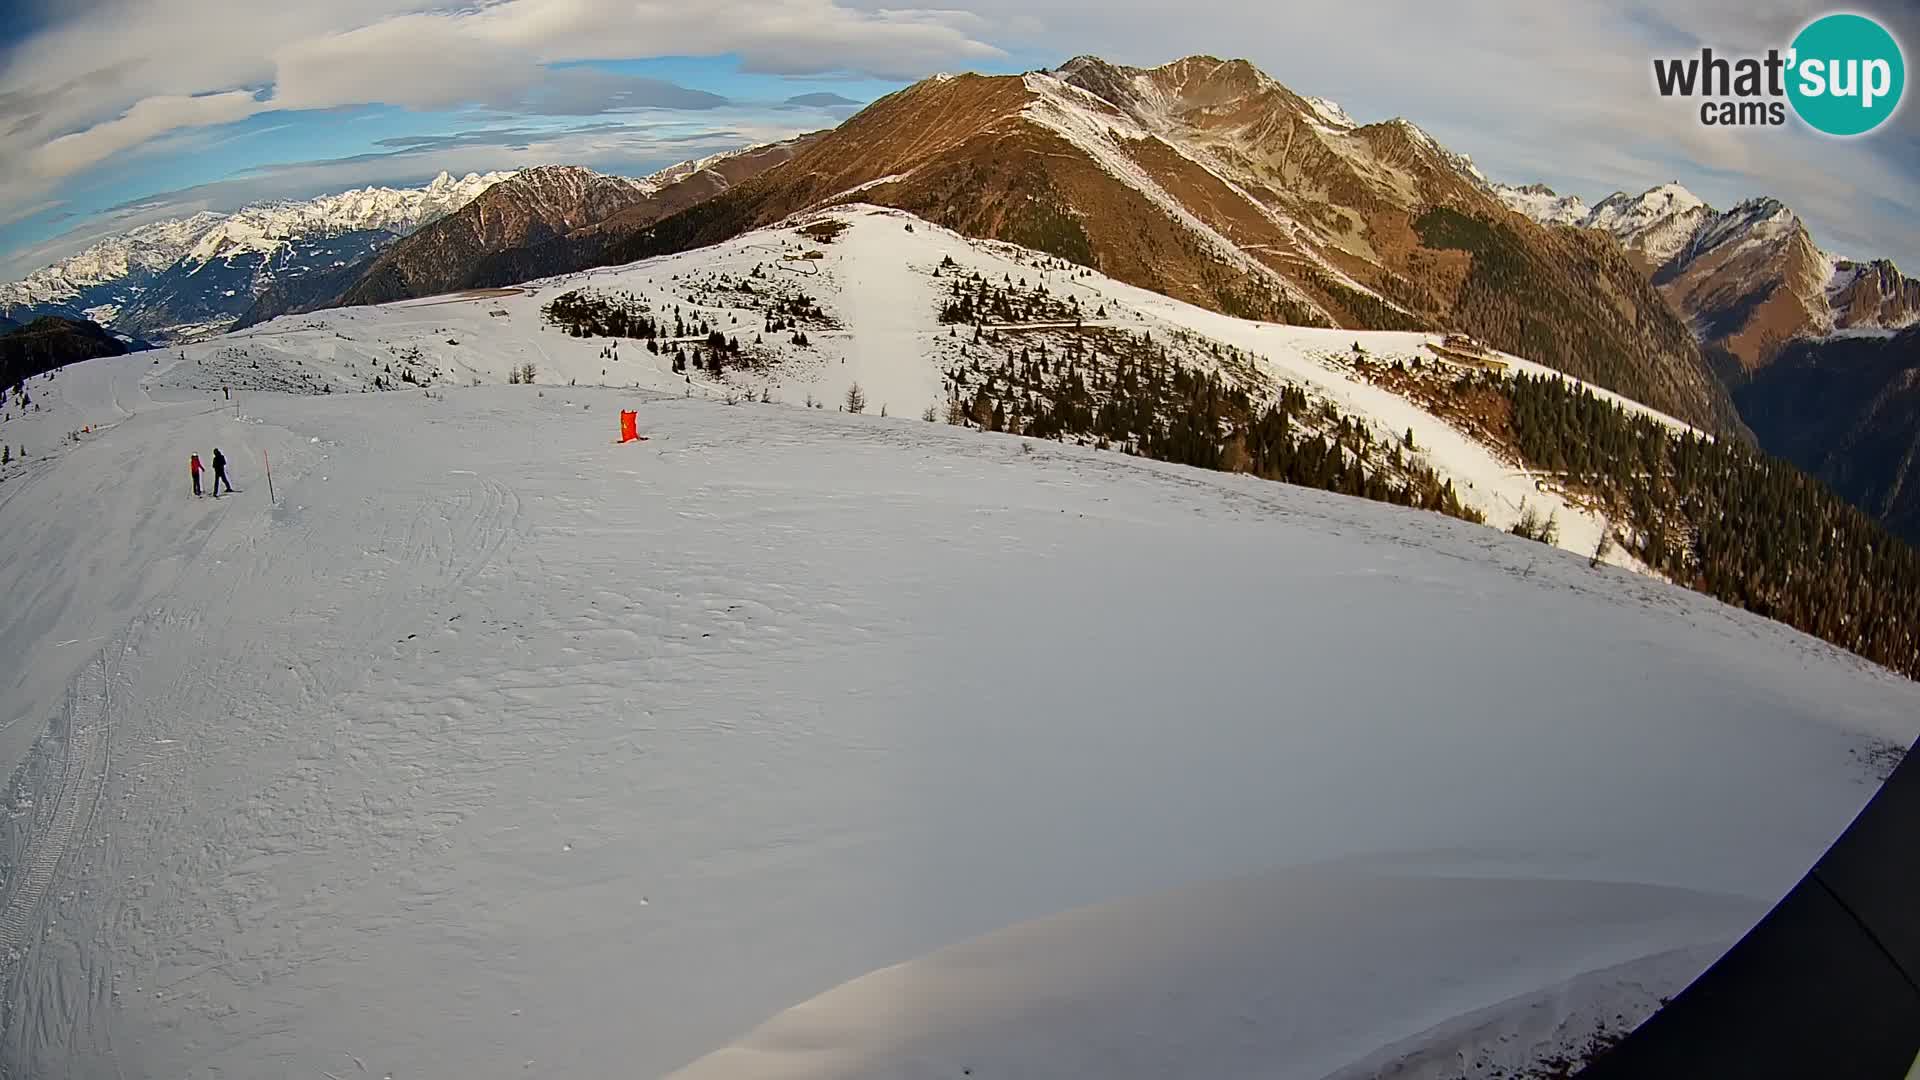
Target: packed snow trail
497,748
891,310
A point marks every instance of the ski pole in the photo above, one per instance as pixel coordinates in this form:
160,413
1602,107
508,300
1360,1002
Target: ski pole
269,465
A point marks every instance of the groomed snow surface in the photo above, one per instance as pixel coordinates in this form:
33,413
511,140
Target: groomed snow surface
789,743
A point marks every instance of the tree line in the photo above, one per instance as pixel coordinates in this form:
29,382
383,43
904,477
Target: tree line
1725,519
1126,392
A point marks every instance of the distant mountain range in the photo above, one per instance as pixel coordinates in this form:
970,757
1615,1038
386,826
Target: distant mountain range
190,277
1750,280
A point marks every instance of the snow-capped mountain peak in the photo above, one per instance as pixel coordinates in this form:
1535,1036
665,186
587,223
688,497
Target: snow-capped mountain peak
1331,112
1620,212
1752,221
1656,224
1542,204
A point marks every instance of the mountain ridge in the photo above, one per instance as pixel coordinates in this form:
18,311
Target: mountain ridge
1211,182
51,342
531,206
1818,351
574,210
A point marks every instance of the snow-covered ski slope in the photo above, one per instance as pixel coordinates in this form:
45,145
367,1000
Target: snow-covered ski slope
881,282
498,749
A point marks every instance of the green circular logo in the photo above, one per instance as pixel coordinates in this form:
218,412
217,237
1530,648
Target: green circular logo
1847,74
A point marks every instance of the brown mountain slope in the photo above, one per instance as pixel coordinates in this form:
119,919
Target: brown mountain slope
1749,280
532,206
578,240
694,182
1208,181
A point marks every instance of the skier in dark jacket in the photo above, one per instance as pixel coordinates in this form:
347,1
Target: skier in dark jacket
220,473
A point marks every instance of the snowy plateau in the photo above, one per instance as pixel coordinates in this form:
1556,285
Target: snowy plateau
795,743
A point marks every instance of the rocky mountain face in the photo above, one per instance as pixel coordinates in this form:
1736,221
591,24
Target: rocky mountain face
667,192
1749,280
186,278
534,206
1208,181
549,220
317,284
1872,294
193,298
691,183
50,342
1847,410
107,274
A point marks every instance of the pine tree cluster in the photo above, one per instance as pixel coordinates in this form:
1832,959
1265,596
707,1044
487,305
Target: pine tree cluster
1723,518
584,313
976,301
1127,392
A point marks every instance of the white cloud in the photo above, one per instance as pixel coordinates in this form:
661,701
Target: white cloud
778,36
416,61
147,118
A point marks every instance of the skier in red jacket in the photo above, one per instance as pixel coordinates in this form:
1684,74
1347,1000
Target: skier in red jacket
193,465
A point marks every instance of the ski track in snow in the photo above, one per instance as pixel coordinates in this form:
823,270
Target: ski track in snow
82,740
494,742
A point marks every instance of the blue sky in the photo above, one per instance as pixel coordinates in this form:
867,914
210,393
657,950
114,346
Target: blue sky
114,112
